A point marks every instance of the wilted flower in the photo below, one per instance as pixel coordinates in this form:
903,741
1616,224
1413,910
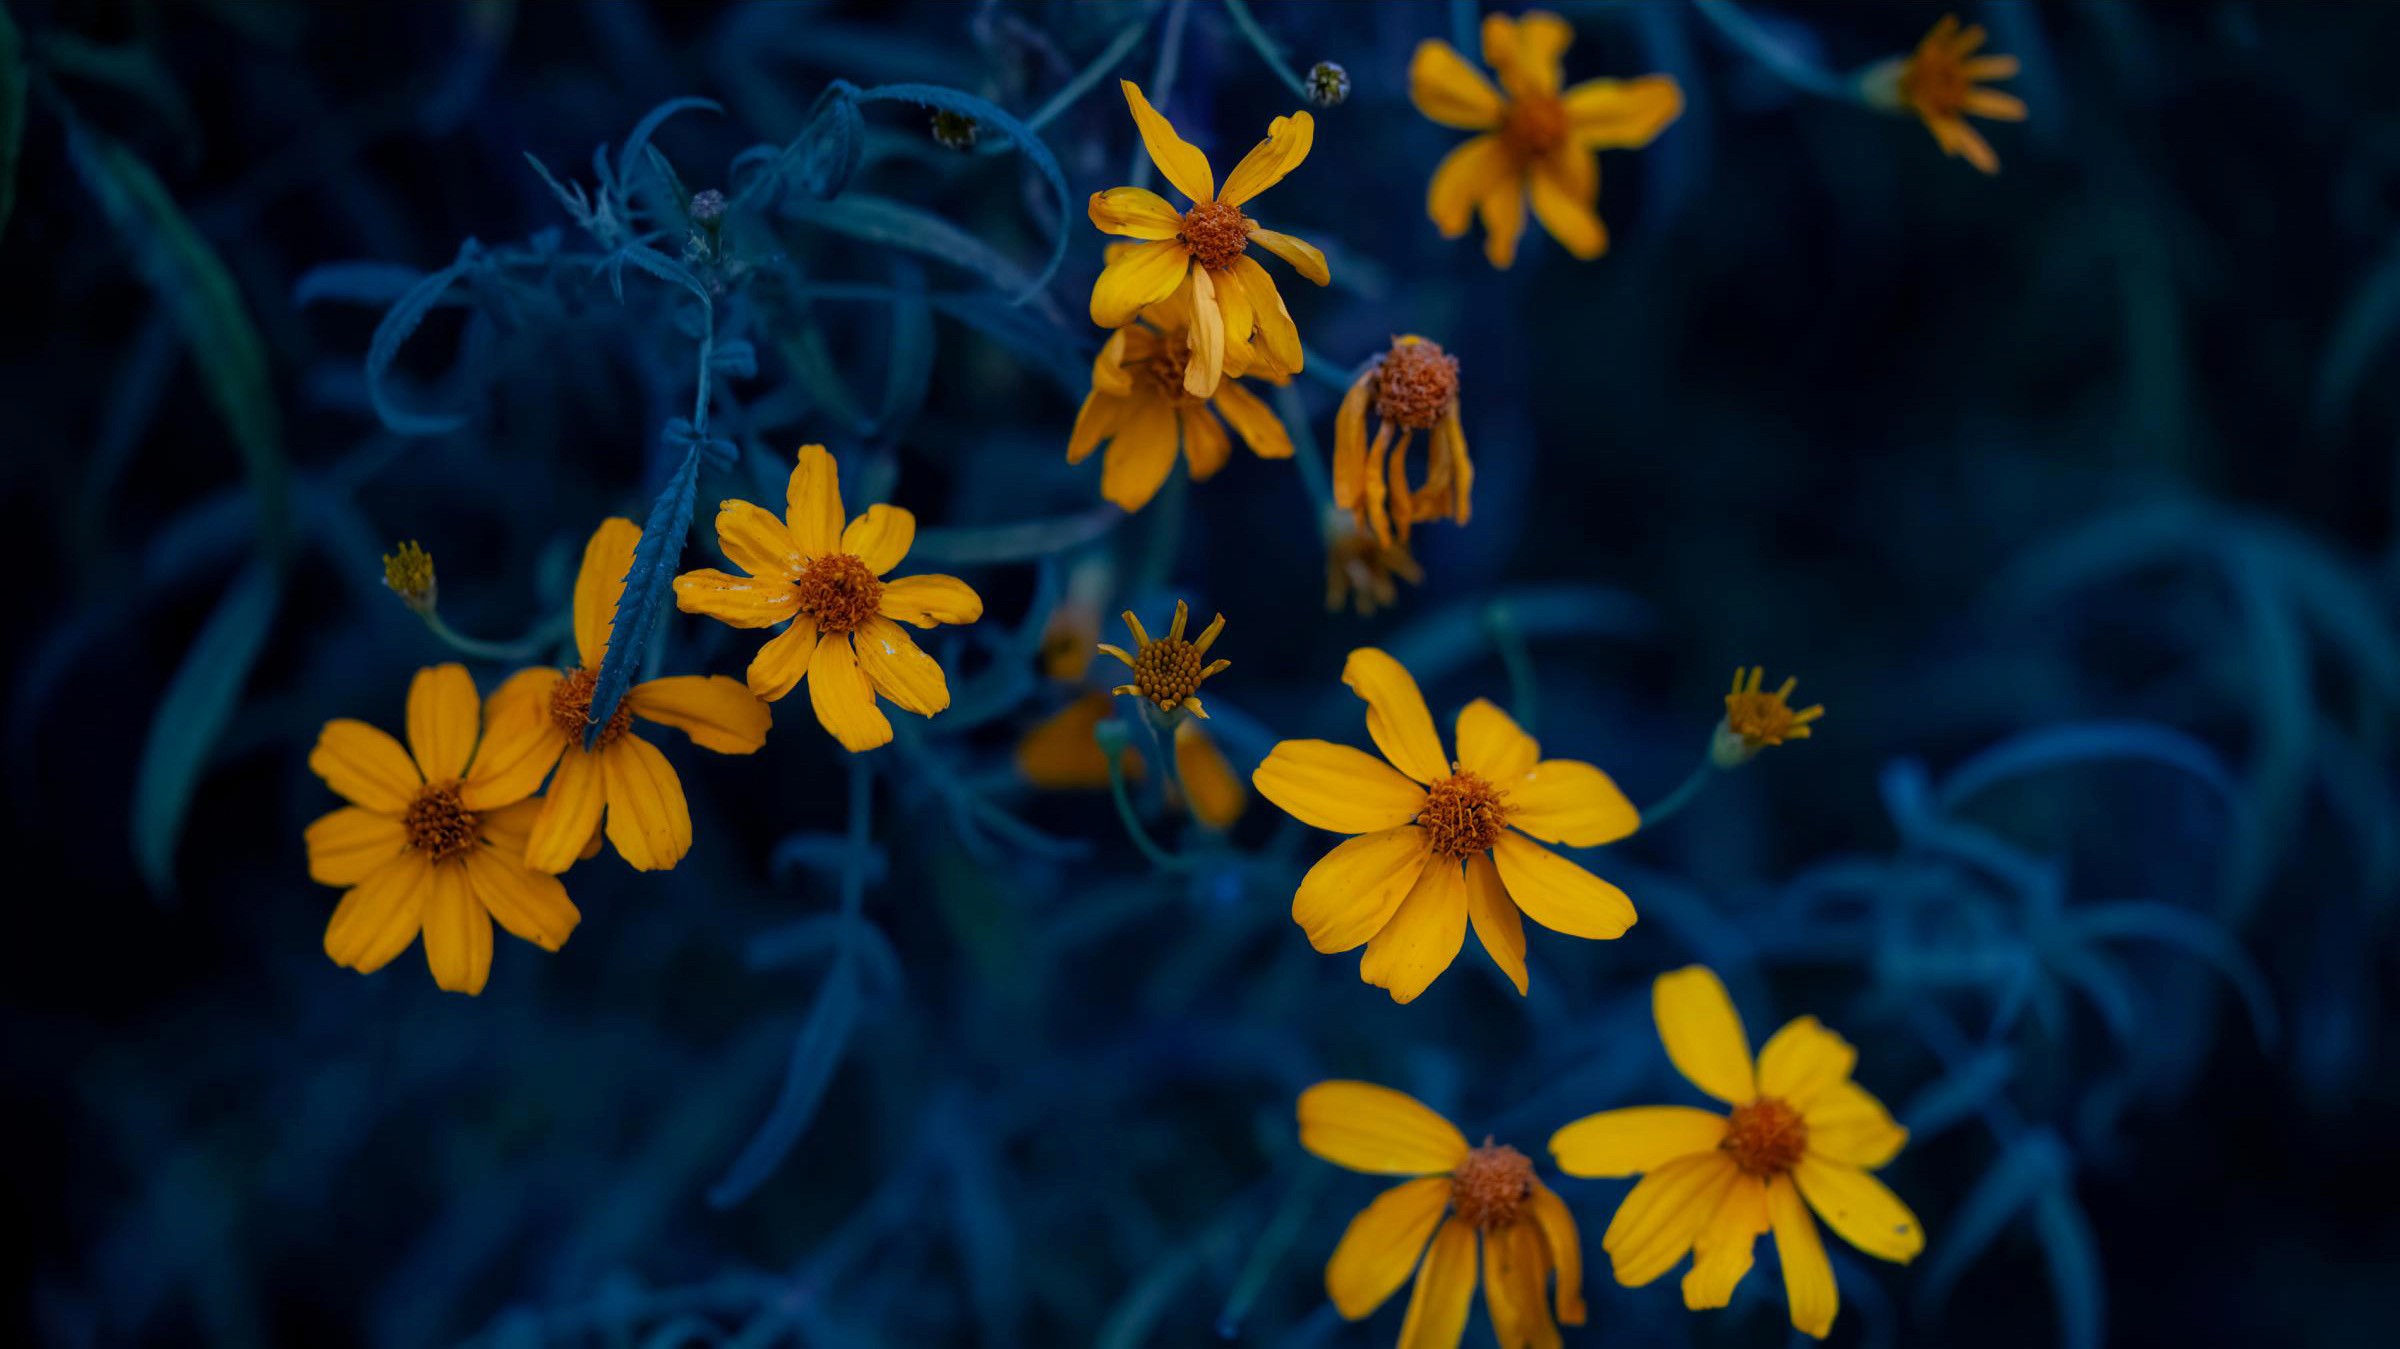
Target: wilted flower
1938,82
1361,570
1410,388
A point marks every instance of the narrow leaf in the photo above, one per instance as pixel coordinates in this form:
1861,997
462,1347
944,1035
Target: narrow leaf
399,322
990,115
646,586
198,702
815,1055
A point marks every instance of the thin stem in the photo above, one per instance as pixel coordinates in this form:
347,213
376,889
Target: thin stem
1162,83
1466,25
1116,51
1166,534
1524,693
1112,745
1743,31
1316,367
527,647
1290,1216
1267,48
1304,447
1682,795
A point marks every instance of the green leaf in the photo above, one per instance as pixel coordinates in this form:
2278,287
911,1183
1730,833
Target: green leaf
12,113
198,702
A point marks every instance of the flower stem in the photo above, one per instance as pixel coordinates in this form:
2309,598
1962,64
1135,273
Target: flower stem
1116,51
527,647
1304,447
1524,693
1265,46
1112,745
1682,795
1162,83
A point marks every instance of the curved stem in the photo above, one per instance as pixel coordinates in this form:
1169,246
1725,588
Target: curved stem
527,647
1682,795
1116,51
1110,750
1304,447
1266,47
1524,694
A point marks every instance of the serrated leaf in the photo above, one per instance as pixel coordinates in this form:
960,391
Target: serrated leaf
646,586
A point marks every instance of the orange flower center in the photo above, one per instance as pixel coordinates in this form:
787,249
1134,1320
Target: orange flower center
1165,365
1462,815
1415,383
571,708
438,826
1535,126
1491,1185
1760,718
1935,82
1167,672
1216,233
1765,1138
839,592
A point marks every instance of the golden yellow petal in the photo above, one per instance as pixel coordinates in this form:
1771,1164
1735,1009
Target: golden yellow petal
458,932
1177,160
649,823
1571,803
1215,794
365,765
1503,212
1437,1311
1351,892
570,812
742,601
1498,924
1628,1142
1802,1060
1423,936
1564,211
843,698
1330,786
1135,213
716,712
1622,114
1656,1225
1287,144
521,740
1141,456
1516,1269
1449,91
600,583
881,537
813,502
1397,718
1807,1274
782,663
1375,1129
1861,1208
1557,1227
1703,1033
1558,893
1474,169
1253,420
379,916
444,714
1206,368
1721,1254
1846,1124
348,845
1492,746
929,600
1526,52
758,541
1277,336
532,905
1380,1248
1300,253
898,668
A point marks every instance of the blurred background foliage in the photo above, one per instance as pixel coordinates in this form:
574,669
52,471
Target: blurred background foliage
2069,491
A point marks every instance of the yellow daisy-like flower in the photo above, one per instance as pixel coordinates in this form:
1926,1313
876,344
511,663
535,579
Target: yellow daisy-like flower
1756,720
1461,1196
1142,403
623,782
433,840
1238,317
1438,840
1939,82
829,582
1538,143
1412,387
1801,1136
1168,672
1062,754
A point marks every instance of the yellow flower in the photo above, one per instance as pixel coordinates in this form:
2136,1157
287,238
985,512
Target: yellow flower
1397,888
829,581
1235,306
1537,142
409,574
1939,82
1412,387
1755,720
1361,570
1142,401
1168,672
433,839
1800,1130
1459,1194
622,780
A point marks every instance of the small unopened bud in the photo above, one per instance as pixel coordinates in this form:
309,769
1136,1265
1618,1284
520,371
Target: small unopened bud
409,574
707,208
1328,84
954,129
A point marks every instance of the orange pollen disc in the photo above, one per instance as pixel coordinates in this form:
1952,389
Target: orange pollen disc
1415,383
1491,1186
1462,815
1765,1138
438,826
1216,233
839,592
571,708
1535,126
1167,672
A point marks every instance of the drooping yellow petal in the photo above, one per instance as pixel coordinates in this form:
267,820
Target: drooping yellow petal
1861,1208
1300,253
570,812
1564,1248
1992,103
1437,1310
1703,1033
1135,213
1570,803
1375,1129
782,663
1178,161
1564,206
1141,456
1622,114
1848,1125
898,668
1559,894
1351,892
352,843
1722,1253
843,698
881,537
1515,1270
1350,448
365,766
1807,1274
1258,426
379,916
521,740
1656,1225
1449,91
742,601
1287,144
444,713
1143,275
1379,1250
600,583
1802,1060
1240,321
1397,718
649,823
1631,1141
1424,935
1096,420
1498,924
813,502
532,905
758,541
1503,213
1472,170
716,712
1277,334
1215,794
1525,51
1206,369
1109,372
930,600
458,932
1329,786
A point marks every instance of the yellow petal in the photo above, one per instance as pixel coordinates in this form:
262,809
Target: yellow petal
458,932
1703,1033
1135,213
379,916
1141,455
716,712
1258,426
758,541
1287,143
1206,368
1801,1060
510,827
930,600
350,844
1557,893
1807,1275
898,668
813,502
1847,1125
1472,170
781,664
1109,374
1240,322
881,537
1566,802
1449,91
1351,892
1722,1253
1396,714
600,583
1656,1225
1437,1310
1215,794
1996,105
1143,276
843,699
1300,253
521,740
1565,1249
365,765
742,601
1622,114
1631,1141
1492,746
1990,68
532,905
1177,160
1498,924
649,823
1276,331
1566,212
1330,786
1409,952
444,712
1503,212
1861,1208
1525,52
1379,1250
1062,753
1515,1270
1096,420
570,812
1377,1130
1350,449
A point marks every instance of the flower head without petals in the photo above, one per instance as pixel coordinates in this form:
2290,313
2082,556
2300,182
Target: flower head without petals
1167,672
1940,83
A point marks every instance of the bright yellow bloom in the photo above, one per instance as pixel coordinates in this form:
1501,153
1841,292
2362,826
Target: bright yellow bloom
1239,318
433,839
1362,570
1759,719
1142,401
830,583
1459,1194
622,781
1412,387
1801,1135
1168,671
1939,82
1537,143
1398,887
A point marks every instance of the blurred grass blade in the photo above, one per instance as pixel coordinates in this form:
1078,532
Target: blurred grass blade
198,702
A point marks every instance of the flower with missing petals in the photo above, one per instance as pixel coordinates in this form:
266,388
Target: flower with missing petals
1410,388
409,574
1756,720
1940,83
1168,672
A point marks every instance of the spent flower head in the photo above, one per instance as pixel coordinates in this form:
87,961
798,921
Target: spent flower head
409,574
1328,84
954,129
1168,672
